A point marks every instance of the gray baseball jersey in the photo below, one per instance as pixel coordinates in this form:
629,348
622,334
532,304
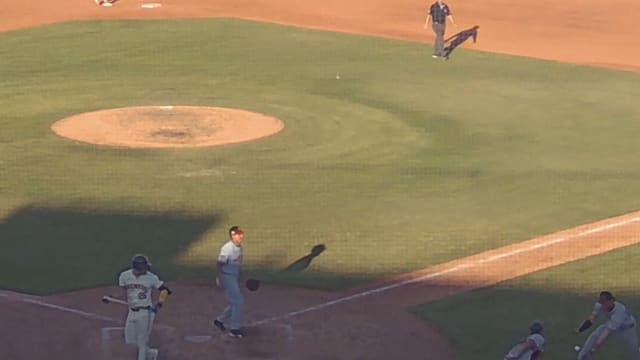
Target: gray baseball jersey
537,339
619,317
231,258
139,288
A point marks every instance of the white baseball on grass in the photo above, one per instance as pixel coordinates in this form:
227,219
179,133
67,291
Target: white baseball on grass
576,348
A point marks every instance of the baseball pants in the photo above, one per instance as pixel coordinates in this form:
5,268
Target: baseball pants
236,302
439,29
137,331
629,336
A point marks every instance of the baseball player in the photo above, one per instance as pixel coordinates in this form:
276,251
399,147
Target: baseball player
229,266
531,347
620,322
138,284
439,12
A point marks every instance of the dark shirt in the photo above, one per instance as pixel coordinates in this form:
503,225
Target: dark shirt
438,13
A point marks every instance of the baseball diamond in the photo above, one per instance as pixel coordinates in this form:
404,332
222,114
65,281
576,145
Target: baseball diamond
462,209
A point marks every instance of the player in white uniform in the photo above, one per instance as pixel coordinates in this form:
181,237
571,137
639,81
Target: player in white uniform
620,322
531,347
138,284
229,266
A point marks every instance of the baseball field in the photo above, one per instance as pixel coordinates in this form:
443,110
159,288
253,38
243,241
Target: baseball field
458,200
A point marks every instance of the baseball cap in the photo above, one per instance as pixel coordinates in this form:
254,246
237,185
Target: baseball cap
235,230
605,296
536,327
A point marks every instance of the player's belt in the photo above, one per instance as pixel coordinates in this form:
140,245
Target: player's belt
140,308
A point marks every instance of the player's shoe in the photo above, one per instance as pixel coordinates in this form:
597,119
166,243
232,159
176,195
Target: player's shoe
237,333
219,325
152,354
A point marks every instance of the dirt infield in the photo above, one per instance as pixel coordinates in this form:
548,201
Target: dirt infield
363,323
167,126
569,31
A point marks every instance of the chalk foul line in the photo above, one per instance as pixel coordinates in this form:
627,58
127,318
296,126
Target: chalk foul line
475,263
472,264
70,310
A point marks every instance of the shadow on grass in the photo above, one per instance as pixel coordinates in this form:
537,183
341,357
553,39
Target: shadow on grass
301,273
485,323
304,262
48,249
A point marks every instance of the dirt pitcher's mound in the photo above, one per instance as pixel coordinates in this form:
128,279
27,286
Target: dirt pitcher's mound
167,126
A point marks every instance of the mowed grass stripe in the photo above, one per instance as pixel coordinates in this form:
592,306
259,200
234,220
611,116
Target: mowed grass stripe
402,163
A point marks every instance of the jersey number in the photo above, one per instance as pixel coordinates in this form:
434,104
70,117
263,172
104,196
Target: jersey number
142,295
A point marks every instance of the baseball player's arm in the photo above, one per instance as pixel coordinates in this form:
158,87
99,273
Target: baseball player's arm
123,285
125,296
450,17
218,272
601,339
527,345
426,23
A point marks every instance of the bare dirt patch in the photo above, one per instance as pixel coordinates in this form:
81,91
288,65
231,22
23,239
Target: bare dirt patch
167,126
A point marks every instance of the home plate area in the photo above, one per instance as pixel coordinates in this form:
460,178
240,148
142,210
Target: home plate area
269,341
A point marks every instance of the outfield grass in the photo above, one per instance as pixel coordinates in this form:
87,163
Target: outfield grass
402,163
484,324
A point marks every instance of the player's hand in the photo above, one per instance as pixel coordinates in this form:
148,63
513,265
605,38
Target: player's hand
218,283
155,308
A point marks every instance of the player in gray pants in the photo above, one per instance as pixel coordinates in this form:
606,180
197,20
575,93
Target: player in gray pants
620,322
229,266
531,347
438,14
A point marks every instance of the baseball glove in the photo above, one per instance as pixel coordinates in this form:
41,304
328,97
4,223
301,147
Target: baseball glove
585,325
252,284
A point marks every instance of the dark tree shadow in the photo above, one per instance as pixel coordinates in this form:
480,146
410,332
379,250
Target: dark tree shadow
49,249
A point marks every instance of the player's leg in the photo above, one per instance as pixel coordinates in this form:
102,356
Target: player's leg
152,354
130,337
143,332
630,337
439,29
232,291
236,312
586,353
226,313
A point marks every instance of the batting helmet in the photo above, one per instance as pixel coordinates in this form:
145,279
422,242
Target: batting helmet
140,262
536,327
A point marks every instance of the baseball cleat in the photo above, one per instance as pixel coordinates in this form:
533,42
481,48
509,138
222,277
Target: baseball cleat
237,333
219,325
152,354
